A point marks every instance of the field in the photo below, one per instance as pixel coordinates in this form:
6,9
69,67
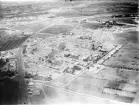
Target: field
127,58
56,29
29,28
112,83
92,87
10,40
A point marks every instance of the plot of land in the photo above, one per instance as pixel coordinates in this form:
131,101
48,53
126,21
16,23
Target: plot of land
93,25
114,74
95,87
11,39
64,97
127,37
126,57
61,81
29,28
57,29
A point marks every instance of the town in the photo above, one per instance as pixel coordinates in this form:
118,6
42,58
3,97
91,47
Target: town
63,51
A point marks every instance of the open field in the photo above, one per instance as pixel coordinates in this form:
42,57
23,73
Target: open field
114,74
127,57
57,29
77,86
111,79
11,41
30,28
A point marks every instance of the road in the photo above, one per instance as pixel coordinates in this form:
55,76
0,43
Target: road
20,71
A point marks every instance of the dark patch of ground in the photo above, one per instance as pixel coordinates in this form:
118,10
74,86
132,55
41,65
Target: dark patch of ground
9,92
57,29
129,36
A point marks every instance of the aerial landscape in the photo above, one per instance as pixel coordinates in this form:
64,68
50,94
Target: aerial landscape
69,52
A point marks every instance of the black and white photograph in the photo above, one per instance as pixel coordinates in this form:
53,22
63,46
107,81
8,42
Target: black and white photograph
69,52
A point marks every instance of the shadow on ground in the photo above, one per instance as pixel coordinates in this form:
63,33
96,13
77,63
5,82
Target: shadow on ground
9,92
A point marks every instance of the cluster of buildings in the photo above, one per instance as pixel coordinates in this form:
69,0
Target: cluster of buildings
8,60
66,54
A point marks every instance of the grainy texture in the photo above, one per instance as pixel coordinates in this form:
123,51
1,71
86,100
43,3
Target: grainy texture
69,51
